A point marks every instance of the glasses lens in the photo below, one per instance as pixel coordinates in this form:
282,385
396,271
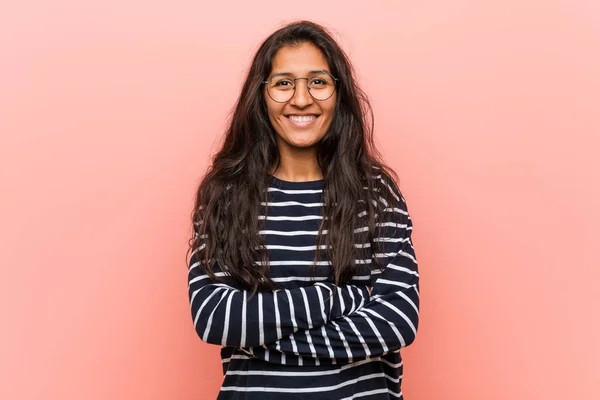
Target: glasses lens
321,85
281,88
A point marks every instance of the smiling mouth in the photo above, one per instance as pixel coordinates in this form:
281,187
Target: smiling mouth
302,120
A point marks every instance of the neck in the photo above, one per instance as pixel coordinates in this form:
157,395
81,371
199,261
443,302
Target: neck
298,166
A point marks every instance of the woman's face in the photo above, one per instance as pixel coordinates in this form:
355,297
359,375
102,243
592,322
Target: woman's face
303,121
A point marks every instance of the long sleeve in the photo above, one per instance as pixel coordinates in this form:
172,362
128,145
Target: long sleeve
227,316
387,322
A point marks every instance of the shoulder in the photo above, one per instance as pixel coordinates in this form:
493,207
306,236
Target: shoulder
386,184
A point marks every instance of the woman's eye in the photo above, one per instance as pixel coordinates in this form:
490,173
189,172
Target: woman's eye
283,83
318,82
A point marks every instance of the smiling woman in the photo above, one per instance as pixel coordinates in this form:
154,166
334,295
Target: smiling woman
300,120
302,266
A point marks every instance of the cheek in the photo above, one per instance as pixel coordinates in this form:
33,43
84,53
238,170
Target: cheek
331,103
329,110
274,110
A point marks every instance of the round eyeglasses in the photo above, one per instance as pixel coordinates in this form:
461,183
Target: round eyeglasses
281,88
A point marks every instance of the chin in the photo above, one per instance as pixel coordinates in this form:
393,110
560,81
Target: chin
303,143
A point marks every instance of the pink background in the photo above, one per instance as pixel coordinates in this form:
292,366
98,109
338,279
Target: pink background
109,110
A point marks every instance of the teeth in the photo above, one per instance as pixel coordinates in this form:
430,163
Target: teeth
303,118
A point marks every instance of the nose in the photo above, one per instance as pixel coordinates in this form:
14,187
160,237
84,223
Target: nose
301,97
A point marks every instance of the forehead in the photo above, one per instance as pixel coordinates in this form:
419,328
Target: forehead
299,60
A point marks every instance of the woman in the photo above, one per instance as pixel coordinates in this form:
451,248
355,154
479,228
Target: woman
302,266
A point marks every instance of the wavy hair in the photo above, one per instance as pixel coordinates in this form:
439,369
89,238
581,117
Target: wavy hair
229,196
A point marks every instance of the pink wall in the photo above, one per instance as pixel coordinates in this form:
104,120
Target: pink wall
490,112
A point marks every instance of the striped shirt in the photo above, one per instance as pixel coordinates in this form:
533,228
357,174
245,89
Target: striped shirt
310,339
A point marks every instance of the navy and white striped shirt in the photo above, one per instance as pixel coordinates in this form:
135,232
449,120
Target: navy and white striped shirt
307,340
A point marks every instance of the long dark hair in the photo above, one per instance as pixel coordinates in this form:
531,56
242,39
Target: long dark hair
229,196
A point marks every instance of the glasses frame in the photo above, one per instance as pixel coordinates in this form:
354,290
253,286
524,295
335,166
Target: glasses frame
335,81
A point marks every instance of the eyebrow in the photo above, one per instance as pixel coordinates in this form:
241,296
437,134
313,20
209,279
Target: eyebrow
290,74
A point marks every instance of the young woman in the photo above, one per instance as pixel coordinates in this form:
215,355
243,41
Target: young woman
302,266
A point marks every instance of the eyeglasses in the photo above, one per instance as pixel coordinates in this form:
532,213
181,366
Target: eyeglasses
321,86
